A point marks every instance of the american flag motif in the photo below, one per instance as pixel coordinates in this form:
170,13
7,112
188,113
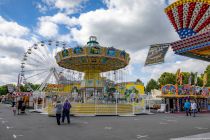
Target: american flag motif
189,17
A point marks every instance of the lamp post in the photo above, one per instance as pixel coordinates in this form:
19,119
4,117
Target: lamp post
133,107
115,83
116,97
149,100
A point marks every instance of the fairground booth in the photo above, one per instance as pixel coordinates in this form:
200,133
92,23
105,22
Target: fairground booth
176,95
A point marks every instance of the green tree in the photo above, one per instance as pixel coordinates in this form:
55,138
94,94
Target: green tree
138,81
185,77
193,78
3,90
34,86
208,75
28,87
23,88
152,84
200,81
167,78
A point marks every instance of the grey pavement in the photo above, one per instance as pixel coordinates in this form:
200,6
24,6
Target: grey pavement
34,126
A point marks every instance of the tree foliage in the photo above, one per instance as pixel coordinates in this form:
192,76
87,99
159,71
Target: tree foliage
208,75
185,77
200,81
167,78
152,84
3,90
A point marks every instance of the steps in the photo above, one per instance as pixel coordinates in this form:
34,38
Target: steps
101,109
97,109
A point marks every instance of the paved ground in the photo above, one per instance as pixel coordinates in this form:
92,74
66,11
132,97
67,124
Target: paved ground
34,126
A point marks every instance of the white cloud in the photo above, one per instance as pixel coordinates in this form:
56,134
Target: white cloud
7,62
48,26
66,6
11,28
12,46
41,8
12,41
60,18
128,24
48,29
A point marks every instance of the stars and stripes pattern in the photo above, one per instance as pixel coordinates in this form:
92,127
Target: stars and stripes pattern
189,17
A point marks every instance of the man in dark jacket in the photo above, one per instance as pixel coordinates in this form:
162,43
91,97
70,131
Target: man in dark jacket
66,111
20,105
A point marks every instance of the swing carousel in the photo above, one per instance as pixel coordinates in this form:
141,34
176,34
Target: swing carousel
92,77
94,61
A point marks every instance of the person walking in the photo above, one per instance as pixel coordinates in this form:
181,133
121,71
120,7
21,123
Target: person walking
20,105
13,102
23,108
194,108
66,111
187,107
58,111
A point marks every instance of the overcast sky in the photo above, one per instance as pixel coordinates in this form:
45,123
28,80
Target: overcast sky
132,25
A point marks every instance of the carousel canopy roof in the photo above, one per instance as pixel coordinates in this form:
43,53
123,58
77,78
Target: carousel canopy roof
191,20
189,17
92,57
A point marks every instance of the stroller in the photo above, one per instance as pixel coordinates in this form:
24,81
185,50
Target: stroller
23,108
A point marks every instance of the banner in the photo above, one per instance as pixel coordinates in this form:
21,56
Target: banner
157,54
54,88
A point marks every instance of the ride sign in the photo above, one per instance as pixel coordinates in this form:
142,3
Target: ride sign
157,53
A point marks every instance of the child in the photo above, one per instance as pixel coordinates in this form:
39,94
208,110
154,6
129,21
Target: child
14,110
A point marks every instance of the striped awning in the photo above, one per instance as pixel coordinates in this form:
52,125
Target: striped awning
23,94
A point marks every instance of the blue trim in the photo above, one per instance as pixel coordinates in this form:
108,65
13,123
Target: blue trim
185,32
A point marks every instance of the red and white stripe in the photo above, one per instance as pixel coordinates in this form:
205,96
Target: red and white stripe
176,17
23,93
195,14
185,14
203,19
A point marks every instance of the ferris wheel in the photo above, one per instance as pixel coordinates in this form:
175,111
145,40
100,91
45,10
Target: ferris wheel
39,66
